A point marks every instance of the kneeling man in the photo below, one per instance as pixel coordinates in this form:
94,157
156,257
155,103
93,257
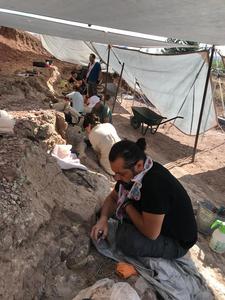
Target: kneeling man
156,214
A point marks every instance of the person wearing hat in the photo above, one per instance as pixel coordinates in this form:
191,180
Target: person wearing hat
100,109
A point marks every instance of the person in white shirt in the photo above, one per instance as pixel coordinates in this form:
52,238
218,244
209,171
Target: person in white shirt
100,109
90,102
102,137
77,100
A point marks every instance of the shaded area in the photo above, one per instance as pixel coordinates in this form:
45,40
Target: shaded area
170,149
213,183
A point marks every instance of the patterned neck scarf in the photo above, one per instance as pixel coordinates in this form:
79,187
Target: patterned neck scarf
134,193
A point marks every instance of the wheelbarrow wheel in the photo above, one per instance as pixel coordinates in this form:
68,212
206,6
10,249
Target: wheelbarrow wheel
135,123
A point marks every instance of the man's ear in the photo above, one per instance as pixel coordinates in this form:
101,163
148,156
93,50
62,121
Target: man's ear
139,166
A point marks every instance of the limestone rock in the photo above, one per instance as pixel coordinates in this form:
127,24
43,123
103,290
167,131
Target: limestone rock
75,137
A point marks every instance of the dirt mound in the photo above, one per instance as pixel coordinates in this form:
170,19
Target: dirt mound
19,49
20,40
24,87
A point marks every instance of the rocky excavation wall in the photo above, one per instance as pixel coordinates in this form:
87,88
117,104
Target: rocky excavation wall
45,215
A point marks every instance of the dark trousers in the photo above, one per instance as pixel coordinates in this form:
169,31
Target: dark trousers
133,243
68,118
92,88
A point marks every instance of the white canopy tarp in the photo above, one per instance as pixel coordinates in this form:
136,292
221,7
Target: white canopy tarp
63,49
59,29
201,21
173,83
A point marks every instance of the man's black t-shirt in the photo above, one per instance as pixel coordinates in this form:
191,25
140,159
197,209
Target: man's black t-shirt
162,193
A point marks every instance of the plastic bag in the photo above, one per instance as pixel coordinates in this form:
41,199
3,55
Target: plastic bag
107,289
122,291
101,290
6,122
65,159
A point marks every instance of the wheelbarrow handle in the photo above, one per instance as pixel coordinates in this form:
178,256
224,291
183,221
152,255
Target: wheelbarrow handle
171,119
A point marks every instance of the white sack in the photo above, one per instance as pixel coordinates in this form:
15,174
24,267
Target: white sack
65,159
106,289
122,290
6,122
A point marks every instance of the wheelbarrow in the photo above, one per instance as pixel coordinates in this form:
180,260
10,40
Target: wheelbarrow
144,115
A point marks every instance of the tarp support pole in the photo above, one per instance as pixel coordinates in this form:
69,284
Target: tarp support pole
107,73
118,86
203,103
221,96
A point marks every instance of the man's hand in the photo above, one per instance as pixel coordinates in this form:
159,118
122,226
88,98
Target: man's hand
100,229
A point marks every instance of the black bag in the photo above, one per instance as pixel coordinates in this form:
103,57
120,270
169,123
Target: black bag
39,64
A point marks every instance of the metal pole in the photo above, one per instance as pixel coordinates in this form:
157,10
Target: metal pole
118,86
221,96
107,72
203,103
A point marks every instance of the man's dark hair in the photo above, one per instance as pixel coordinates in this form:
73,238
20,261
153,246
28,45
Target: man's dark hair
130,151
93,55
90,119
141,142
